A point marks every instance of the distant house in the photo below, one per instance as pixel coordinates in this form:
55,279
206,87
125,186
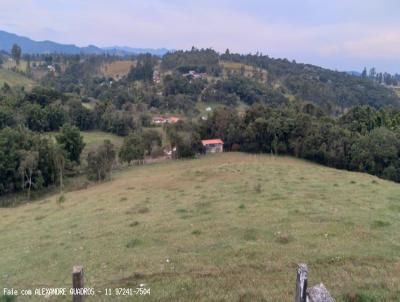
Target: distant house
156,77
51,68
195,75
161,120
213,145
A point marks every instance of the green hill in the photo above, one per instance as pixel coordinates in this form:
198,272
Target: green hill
229,227
14,79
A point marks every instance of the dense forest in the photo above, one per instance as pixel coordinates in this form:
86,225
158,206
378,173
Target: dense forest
260,105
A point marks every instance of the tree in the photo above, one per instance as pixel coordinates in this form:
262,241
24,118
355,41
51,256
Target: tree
71,141
7,117
144,69
101,161
151,139
16,52
376,151
36,118
364,73
28,64
59,161
132,149
56,117
187,143
27,168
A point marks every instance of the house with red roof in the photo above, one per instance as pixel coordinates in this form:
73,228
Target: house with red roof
215,145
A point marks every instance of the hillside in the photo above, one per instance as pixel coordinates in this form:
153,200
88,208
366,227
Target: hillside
14,79
229,227
329,89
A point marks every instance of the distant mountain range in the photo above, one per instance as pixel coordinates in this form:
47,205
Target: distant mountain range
42,47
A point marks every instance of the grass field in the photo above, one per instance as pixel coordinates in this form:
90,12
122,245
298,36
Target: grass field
117,69
236,67
11,64
229,227
94,139
14,79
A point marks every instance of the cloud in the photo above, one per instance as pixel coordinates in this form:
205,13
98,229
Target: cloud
383,45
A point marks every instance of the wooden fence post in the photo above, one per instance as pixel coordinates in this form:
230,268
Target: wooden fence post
301,283
77,283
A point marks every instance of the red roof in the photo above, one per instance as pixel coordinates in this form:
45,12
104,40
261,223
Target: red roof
173,119
212,141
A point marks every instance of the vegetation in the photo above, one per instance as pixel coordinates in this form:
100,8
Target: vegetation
272,106
199,60
13,79
363,140
76,121
100,161
331,90
144,69
71,141
25,160
133,148
16,52
180,227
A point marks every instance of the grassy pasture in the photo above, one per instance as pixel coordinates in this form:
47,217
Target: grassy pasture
229,227
14,79
94,139
117,69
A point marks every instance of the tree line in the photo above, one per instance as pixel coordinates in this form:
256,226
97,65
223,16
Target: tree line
364,139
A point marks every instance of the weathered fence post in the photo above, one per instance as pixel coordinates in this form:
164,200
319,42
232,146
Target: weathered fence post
319,293
301,283
77,283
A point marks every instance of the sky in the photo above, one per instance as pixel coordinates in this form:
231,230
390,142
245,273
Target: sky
337,34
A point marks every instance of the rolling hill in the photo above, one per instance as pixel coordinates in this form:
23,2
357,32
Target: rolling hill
229,227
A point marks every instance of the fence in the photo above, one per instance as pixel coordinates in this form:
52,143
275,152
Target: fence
318,293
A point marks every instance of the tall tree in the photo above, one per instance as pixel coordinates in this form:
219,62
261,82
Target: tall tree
59,161
364,73
16,52
27,168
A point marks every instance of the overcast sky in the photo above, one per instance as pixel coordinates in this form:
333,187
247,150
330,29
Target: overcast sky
339,34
